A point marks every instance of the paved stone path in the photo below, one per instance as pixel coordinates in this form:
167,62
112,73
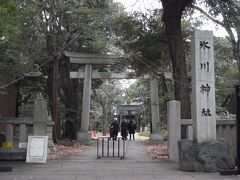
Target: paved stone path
136,166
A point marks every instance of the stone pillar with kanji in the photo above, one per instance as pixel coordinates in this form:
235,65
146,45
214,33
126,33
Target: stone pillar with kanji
203,86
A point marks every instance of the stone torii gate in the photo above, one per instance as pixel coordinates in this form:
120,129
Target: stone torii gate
88,60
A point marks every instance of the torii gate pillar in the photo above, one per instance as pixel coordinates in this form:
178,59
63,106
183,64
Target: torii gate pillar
84,136
155,136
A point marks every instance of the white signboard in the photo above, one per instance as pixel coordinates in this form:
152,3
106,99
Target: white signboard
37,149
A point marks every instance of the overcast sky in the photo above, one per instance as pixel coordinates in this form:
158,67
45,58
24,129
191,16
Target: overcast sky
142,5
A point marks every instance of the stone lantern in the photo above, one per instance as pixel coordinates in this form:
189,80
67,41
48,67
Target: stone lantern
35,108
33,79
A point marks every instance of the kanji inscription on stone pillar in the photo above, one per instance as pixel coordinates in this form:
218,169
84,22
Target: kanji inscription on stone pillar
203,86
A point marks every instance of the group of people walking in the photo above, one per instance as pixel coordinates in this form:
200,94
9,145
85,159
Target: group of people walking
126,127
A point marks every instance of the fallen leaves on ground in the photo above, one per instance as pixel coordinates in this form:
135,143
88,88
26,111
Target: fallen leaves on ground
66,149
158,151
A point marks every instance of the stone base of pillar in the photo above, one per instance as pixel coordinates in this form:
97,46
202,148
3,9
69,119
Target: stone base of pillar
155,139
84,138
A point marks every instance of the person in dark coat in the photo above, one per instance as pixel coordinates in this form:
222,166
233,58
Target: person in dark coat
114,128
131,129
124,127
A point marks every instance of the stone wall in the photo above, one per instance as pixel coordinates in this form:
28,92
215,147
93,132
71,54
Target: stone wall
29,127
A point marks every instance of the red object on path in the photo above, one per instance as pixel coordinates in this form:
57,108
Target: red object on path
111,132
94,134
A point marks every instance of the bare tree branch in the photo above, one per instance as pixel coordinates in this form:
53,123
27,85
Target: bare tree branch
207,15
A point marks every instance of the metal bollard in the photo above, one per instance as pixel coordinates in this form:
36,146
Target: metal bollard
97,148
102,147
111,146
108,147
118,147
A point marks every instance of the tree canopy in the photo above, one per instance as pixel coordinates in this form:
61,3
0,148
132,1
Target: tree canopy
143,41
229,11
39,31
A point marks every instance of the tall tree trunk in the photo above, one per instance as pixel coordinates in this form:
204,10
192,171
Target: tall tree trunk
70,89
104,117
53,101
163,84
50,90
172,19
55,116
